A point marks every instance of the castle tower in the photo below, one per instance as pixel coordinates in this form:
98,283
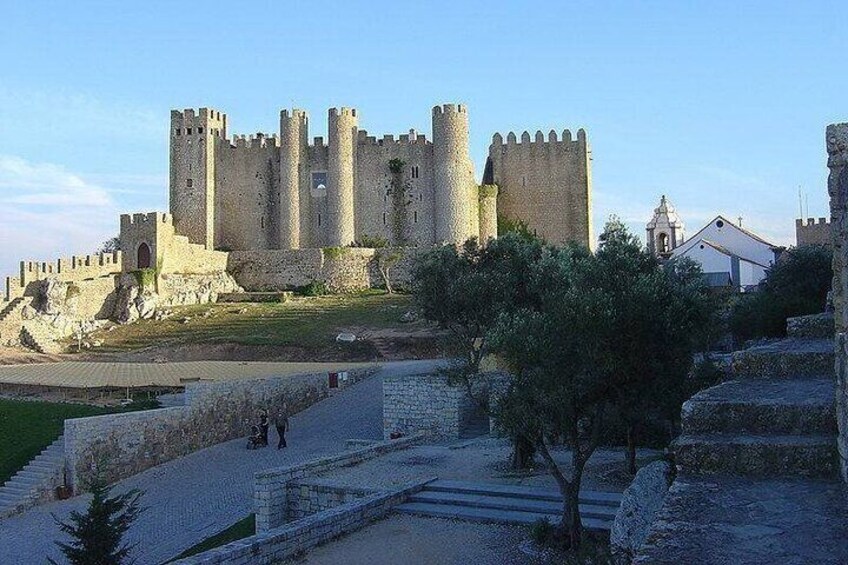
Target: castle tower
665,230
294,131
192,163
340,176
453,174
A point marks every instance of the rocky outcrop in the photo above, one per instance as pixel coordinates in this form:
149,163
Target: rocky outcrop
641,501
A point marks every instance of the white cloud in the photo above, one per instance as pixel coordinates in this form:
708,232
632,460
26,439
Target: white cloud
47,211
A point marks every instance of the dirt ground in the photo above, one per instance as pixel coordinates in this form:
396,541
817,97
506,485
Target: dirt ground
19,356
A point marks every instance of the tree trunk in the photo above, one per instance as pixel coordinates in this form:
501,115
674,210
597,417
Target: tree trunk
522,453
631,449
571,524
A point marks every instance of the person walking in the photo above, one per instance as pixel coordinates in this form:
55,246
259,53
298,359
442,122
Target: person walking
281,422
264,424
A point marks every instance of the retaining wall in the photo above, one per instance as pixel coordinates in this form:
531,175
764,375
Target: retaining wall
279,544
425,403
116,446
270,491
304,498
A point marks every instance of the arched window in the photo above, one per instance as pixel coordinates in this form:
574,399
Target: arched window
143,256
663,243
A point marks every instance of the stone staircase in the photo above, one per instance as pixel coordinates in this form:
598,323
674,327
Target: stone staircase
10,321
777,419
507,504
35,482
12,307
757,462
38,339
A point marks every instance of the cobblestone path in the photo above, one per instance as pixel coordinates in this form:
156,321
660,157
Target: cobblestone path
196,496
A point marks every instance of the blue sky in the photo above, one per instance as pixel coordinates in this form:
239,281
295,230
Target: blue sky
721,105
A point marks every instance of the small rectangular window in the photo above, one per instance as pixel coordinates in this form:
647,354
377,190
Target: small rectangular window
189,183
199,130
179,131
188,131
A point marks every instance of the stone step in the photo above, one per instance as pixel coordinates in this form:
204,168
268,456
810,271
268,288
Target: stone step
511,504
492,516
752,455
782,406
518,491
815,326
786,358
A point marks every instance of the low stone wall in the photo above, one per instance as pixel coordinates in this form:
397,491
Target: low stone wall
116,446
341,269
270,492
279,544
425,403
304,498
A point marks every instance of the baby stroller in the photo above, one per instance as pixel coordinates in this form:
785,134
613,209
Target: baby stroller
255,441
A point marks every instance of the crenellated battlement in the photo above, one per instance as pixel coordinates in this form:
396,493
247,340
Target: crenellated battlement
450,109
257,141
343,111
799,222
146,218
566,140
404,139
75,268
295,114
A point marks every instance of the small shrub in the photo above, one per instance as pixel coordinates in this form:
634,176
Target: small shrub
396,165
487,191
372,242
72,291
541,531
315,288
146,278
334,252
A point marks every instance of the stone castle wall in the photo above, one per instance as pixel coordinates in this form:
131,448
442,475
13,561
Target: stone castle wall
265,192
116,446
546,183
813,232
343,269
836,139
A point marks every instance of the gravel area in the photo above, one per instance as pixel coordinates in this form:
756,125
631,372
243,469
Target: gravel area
414,540
484,460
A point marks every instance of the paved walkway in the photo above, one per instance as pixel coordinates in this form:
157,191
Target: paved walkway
196,496
92,374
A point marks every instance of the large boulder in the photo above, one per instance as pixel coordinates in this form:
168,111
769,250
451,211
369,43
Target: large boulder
641,501
145,303
52,294
126,310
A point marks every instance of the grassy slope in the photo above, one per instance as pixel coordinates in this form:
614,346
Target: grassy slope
304,322
26,428
240,530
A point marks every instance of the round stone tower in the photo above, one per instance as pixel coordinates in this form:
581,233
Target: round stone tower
293,150
454,176
340,176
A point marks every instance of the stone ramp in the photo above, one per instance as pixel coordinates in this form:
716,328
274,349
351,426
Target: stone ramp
35,482
717,521
507,504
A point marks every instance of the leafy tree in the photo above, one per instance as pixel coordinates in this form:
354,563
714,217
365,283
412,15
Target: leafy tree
465,290
662,315
110,245
97,534
797,284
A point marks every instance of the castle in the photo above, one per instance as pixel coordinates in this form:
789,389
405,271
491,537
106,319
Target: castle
274,212
281,192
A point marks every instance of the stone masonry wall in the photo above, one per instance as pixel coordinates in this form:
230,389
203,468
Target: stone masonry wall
280,544
116,446
304,498
546,183
813,232
837,185
425,403
341,269
270,487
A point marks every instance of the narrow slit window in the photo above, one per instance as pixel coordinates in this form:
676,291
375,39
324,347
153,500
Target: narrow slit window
319,220
189,183
415,216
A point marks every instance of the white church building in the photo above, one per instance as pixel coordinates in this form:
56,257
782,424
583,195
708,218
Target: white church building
729,255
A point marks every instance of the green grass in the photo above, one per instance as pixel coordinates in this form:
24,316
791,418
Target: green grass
27,427
240,530
305,322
